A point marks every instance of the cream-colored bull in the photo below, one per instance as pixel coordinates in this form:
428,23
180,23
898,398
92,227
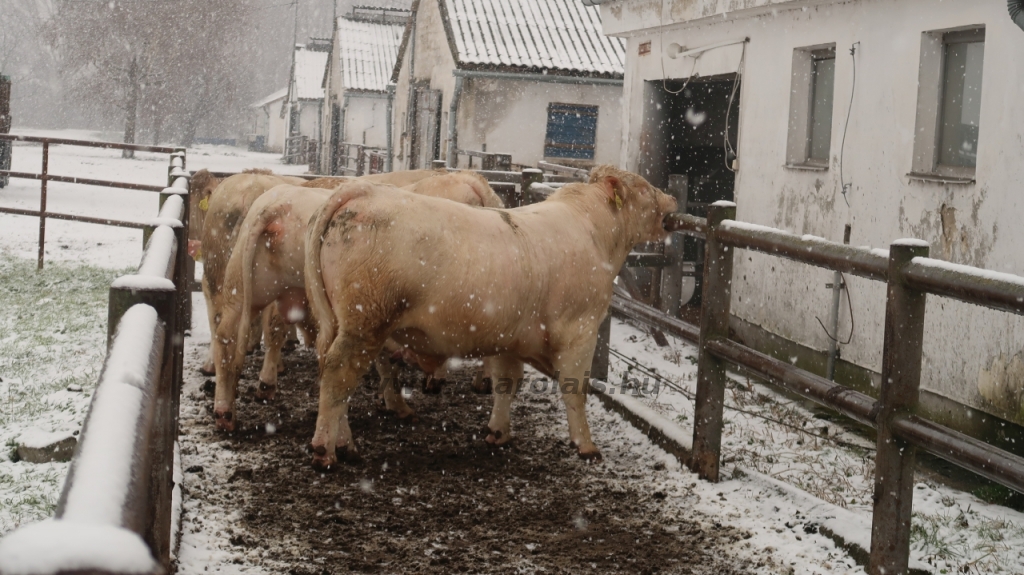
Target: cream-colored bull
227,203
529,284
266,269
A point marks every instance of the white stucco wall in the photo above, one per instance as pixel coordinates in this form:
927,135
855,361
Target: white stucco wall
511,117
366,120
275,126
971,355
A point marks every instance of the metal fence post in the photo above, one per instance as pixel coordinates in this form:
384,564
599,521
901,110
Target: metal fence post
599,365
528,177
42,203
901,378
360,161
714,324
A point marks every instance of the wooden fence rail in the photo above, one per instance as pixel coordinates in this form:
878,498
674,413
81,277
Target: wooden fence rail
114,513
910,275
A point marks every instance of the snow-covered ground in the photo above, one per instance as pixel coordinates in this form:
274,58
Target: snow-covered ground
53,325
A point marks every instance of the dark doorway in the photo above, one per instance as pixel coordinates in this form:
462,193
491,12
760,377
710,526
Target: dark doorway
683,136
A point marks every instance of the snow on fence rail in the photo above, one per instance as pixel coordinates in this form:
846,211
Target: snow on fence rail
910,275
114,513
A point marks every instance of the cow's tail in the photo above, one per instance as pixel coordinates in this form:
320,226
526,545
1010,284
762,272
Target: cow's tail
248,240
316,291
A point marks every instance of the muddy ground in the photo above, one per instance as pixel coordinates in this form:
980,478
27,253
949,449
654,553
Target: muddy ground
428,497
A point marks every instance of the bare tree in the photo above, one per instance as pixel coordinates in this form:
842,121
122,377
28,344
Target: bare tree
172,62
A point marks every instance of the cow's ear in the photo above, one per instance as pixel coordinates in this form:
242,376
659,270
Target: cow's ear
615,190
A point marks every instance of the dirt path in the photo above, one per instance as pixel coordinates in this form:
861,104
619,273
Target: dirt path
430,497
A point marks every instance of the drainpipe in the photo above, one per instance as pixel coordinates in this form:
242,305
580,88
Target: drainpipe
833,341
1016,8
389,157
341,136
453,111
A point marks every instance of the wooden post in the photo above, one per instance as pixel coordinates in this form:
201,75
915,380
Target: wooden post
42,203
714,324
528,177
671,292
901,380
360,161
438,165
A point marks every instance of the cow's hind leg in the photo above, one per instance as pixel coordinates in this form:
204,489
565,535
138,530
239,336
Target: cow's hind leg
573,367
436,380
209,368
274,330
507,372
391,389
345,362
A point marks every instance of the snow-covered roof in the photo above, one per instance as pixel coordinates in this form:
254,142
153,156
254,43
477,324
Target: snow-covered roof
368,52
309,73
532,35
278,95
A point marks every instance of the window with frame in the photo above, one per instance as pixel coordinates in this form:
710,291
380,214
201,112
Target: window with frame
949,105
811,104
571,131
961,98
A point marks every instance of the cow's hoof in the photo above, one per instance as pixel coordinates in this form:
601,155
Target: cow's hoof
433,386
323,462
225,420
266,391
485,386
496,438
208,370
590,454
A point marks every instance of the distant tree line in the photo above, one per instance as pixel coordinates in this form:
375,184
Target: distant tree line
164,67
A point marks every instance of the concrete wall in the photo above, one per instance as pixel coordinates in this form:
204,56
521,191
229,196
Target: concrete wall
366,120
511,116
275,125
971,355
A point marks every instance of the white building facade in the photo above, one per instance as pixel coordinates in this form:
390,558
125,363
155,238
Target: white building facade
364,50
532,79
932,151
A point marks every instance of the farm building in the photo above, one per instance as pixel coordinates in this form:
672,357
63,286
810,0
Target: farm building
897,119
535,80
364,50
266,131
305,99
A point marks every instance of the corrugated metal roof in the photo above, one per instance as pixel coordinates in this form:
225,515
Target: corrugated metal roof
278,95
309,73
368,52
534,34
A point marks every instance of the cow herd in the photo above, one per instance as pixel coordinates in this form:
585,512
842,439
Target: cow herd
419,265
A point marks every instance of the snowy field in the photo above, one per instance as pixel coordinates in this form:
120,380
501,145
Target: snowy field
785,478
53,324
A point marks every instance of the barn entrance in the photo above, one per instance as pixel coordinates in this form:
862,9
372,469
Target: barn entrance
684,152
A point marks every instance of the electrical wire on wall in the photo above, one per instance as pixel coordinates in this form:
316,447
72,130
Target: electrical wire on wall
661,58
728,110
847,187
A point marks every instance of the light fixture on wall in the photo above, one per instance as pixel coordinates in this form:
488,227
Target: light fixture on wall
675,50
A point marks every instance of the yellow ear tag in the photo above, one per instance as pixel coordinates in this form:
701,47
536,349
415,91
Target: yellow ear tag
204,204
618,201
199,255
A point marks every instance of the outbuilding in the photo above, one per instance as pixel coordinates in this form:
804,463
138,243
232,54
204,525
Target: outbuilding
364,51
530,80
304,103
267,129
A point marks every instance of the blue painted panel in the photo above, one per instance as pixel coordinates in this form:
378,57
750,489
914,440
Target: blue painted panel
571,131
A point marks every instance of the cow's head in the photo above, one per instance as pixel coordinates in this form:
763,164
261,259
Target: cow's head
641,206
